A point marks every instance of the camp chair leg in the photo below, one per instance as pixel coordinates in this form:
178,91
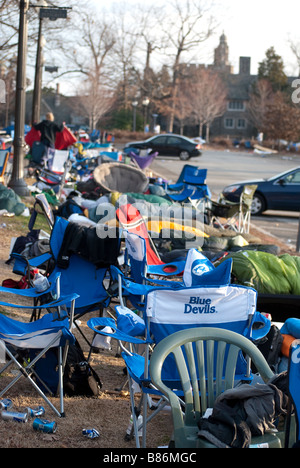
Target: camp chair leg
28,370
144,434
135,413
60,382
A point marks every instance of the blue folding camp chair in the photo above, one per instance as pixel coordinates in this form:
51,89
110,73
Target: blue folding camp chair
18,339
82,260
140,270
192,188
293,388
168,310
187,169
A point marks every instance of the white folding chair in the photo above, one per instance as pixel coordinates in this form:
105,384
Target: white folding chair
168,310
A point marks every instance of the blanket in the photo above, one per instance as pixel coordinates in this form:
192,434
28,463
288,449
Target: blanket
267,273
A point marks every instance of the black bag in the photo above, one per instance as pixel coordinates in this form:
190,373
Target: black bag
68,208
79,377
270,347
38,150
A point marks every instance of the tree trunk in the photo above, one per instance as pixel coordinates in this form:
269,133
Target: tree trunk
207,133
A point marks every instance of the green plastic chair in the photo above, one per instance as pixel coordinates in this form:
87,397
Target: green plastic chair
201,387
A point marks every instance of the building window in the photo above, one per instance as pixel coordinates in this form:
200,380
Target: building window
229,123
241,123
236,105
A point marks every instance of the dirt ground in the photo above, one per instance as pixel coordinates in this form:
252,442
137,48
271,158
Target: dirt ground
109,412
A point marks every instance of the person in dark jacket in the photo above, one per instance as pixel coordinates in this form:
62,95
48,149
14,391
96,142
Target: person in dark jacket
48,129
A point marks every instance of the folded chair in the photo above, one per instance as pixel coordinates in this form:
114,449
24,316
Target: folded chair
142,160
168,310
132,222
140,270
17,339
4,157
190,194
82,260
236,216
187,170
193,187
41,206
206,362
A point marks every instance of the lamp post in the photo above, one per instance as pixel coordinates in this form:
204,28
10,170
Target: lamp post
145,103
17,182
154,121
134,105
36,98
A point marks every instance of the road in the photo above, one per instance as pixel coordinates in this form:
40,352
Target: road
226,167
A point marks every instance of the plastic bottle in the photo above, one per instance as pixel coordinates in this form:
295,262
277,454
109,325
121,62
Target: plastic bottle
40,282
129,433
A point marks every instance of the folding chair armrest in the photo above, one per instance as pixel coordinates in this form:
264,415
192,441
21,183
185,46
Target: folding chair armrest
37,261
97,324
260,326
23,265
31,292
176,187
176,267
63,300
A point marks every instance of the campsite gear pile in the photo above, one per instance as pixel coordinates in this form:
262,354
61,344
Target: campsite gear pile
167,253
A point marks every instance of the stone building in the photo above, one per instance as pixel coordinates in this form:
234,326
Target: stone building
235,122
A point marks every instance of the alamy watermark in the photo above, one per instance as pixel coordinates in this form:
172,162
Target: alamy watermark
2,92
160,220
2,352
296,93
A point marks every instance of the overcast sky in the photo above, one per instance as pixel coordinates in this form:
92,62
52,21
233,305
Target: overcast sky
251,28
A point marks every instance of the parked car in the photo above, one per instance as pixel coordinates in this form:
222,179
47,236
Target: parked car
168,145
280,192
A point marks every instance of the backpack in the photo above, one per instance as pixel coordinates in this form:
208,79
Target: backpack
270,347
68,208
79,377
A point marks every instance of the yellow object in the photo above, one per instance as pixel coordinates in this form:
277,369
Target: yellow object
157,226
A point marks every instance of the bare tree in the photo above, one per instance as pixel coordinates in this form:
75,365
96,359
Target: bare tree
282,119
295,48
124,55
261,97
95,100
92,58
184,104
187,24
209,97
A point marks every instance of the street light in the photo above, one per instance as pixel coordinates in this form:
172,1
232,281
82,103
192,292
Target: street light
36,97
52,14
134,105
154,121
17,182
145,103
